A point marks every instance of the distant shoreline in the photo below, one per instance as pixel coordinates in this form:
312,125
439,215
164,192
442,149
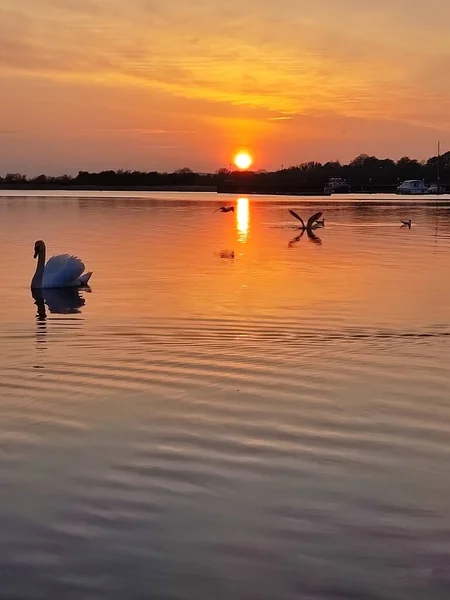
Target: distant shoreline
161,188
363,175
212,189
111,188
227,191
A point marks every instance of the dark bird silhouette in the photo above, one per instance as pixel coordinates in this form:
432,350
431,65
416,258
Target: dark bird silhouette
313,221
298,217
225,209
406,223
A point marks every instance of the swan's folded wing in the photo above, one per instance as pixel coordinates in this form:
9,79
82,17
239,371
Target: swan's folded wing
62,270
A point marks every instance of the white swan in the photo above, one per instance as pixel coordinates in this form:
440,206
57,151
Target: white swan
60,271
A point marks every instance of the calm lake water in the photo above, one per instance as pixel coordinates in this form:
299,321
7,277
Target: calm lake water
196,426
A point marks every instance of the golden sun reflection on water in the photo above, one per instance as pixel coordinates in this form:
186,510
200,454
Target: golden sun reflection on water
242,219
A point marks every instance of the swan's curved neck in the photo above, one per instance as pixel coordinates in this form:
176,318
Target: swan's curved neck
36,282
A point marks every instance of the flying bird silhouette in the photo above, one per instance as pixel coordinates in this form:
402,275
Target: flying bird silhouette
296,216
225,209
406,223
313,221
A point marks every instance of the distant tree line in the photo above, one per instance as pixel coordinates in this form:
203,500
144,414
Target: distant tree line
363,172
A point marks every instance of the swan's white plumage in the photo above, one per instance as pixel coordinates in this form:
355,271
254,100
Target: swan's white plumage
60,271
64,270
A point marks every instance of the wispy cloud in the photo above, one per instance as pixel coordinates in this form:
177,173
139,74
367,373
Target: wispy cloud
240,72
312,67
147,131
7,131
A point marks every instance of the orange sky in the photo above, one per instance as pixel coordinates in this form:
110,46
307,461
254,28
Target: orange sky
94,84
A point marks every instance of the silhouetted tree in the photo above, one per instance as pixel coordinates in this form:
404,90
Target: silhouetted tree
363,172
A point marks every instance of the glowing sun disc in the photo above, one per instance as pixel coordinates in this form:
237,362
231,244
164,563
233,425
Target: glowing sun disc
243,160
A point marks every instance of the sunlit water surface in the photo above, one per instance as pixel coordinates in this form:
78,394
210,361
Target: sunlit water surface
272,424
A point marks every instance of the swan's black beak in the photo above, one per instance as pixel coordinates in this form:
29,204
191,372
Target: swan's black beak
35,253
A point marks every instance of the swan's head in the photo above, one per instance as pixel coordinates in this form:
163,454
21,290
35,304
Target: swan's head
39,247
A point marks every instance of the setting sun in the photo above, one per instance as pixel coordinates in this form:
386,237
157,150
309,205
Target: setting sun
243,160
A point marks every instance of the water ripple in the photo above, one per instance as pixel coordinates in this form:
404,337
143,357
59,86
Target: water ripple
272,426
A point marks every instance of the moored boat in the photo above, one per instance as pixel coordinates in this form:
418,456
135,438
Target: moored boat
336,185
412,186
435,188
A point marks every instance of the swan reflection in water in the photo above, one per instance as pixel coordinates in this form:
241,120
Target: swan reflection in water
61,301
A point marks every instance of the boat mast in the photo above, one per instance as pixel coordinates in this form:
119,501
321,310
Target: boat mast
437,168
